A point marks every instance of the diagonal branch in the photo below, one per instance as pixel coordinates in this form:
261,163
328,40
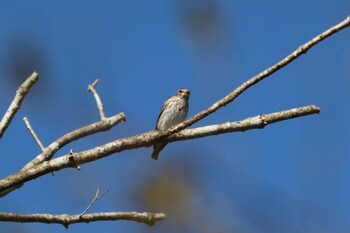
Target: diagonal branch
21,93
147,139
261,76
66,220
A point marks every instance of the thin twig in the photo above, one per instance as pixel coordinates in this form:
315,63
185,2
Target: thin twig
147,139
66,220
29,127
97,196
21,93
91,88
36,138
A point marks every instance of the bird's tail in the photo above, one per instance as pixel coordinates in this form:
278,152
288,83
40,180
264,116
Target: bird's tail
155,154
156,149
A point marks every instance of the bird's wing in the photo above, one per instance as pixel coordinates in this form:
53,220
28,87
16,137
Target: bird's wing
165,105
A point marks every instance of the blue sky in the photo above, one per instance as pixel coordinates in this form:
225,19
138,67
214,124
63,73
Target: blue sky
289,177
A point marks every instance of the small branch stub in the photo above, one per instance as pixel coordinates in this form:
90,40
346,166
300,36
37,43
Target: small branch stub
73,160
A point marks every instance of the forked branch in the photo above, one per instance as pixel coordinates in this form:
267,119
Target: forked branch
261,76
96,197
44,163
147,139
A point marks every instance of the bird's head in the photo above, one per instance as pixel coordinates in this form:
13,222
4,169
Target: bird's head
183,93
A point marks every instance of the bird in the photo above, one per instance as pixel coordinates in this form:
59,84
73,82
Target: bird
173,112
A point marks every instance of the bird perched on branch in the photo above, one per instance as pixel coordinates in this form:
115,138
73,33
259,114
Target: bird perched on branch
173,112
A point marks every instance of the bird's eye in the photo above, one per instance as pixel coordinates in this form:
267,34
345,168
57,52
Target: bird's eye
180,91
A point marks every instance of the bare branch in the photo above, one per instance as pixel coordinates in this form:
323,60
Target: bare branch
66,220
93,128
26,121
147,139
91,88
100,126
97,196
49,151
261,76
257,122
21,93
40,166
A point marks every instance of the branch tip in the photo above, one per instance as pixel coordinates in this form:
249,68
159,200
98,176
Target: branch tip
15,105
91,89
36,138
95,83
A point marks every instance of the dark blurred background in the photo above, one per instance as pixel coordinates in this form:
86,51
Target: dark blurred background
289,177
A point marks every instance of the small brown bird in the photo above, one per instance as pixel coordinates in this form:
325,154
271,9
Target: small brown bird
173,112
